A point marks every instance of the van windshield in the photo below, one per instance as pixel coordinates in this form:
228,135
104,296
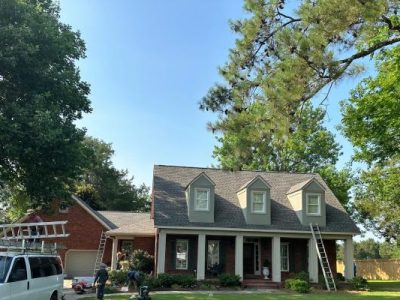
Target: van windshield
5,262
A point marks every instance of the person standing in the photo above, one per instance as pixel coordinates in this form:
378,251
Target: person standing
101,279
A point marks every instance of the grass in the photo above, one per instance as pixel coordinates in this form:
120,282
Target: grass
380,290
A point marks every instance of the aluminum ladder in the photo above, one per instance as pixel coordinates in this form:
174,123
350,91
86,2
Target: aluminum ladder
323,258
31,236
100,253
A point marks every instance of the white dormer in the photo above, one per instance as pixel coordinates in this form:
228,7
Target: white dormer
200,199
255,201
308,200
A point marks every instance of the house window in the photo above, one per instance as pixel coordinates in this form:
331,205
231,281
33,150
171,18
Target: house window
212,254
182,254
201,199
313,204
285,257
258,199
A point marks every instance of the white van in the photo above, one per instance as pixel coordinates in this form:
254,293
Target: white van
30,276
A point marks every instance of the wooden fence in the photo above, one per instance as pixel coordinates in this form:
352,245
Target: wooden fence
375,268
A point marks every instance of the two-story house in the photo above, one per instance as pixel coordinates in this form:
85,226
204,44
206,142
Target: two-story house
207,218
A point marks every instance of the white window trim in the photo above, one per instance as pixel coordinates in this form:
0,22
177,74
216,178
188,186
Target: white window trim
187,254
287,258
263,211
195,199
319,204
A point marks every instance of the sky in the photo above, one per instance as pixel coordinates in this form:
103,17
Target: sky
149,63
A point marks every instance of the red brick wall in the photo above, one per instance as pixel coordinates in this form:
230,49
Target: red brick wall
144,243
330,248
84,230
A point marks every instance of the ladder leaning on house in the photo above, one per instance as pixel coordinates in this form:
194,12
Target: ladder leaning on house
31,236
323,258
100,253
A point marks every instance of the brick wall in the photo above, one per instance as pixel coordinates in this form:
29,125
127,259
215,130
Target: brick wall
84,230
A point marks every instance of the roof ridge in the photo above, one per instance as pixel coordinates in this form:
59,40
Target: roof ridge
227,170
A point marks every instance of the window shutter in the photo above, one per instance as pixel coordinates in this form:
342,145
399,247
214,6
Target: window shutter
292,267
192,257
173,255
222,255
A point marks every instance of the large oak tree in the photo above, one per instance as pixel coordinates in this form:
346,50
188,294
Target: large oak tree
41,95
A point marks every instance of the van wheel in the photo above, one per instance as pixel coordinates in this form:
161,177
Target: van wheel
54,296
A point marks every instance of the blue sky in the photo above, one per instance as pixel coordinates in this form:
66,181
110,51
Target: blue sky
149,63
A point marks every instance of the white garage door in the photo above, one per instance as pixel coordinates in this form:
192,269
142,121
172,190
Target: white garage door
79,263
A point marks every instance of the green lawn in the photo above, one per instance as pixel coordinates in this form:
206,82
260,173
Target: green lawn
389,290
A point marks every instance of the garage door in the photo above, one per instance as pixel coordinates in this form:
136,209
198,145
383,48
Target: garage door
79,263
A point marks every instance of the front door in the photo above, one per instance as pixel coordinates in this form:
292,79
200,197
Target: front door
248,259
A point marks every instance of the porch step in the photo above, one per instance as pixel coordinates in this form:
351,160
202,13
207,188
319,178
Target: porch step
260,284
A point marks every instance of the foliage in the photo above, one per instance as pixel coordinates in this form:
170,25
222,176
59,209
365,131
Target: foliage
298,285
389,250
166,280
340,277
41,96
266,263
359,283
287,53
367,249
117,277
142,261
227,279
103,186
371,122
301,275
151,282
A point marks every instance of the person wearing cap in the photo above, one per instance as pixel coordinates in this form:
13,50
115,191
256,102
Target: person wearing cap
101,279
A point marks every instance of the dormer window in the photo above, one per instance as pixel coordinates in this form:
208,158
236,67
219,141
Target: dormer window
258,202
201,199
313,204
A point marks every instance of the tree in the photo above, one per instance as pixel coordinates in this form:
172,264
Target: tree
104,187
247,144
41,95
367,249
286,55
371,122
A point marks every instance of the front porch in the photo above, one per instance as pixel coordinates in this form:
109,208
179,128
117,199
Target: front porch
206,255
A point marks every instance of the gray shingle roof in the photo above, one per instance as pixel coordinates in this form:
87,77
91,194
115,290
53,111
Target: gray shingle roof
170,207
129,222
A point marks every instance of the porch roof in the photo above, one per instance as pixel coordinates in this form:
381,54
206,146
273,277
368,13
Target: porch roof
129,223
170,208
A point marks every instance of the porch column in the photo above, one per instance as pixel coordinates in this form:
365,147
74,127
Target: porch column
348,258
201,256
312,261
162,238
276,259
114,251
239,256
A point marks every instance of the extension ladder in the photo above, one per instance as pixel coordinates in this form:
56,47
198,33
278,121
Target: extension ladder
30,236
100,252
323,258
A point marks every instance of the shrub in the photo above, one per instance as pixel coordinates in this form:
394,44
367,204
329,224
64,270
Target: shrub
301,275
142,261
340,277
185,281
227,279
117,277
298,285
359,283
166,280
151,282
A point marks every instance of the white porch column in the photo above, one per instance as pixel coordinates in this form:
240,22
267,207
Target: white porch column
312,261
201,256
276,259
239,256
114,251
348,258
162,238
